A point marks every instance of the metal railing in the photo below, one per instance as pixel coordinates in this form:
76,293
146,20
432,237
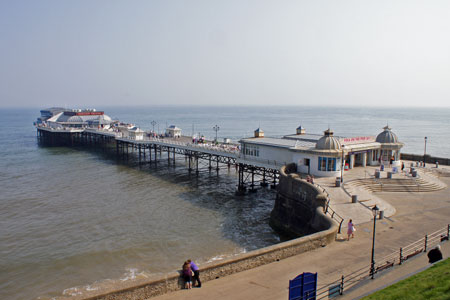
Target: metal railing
334,215
345,282
221,148
328,210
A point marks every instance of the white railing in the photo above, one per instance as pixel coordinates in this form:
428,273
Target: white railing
270,162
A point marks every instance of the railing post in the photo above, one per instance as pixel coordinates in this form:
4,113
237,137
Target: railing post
401,256
341,290
340,226
426,240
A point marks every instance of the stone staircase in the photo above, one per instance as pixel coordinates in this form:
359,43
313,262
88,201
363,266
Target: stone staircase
436,172
406,184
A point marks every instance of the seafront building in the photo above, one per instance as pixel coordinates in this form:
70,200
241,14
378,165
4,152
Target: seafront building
324,155
60,118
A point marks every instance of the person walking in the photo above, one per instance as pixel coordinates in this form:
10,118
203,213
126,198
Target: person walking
196,271
350,230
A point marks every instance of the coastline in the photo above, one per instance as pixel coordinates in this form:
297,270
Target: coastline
158,285
264,258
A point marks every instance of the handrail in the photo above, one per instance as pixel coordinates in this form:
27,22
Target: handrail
327,207
388,261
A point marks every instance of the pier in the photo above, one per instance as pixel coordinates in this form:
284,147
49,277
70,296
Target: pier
206,156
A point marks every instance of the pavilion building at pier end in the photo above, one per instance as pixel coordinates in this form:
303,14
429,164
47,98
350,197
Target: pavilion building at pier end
322,155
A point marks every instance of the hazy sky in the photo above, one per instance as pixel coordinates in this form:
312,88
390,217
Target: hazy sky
93,52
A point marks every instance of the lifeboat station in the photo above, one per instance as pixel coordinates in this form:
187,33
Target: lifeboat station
323,155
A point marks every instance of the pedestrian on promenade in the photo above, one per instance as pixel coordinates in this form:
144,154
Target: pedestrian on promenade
350,230
187,275
196,272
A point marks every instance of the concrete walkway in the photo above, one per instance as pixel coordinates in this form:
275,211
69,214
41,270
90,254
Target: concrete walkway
416,214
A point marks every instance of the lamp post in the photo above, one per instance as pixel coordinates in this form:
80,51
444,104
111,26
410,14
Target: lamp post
342,164
375,210
425,151
216,128
153,125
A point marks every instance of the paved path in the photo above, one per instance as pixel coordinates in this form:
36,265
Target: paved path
416,214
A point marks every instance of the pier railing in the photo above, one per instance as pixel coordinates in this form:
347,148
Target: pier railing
270,162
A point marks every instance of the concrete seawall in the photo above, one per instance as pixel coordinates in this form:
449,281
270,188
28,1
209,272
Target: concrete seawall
428,159
327,229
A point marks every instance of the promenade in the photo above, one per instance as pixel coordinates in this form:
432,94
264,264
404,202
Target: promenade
409,217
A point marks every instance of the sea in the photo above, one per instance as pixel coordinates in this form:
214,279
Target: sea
73,218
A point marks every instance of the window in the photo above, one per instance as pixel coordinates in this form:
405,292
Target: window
327,164
331,164
251,150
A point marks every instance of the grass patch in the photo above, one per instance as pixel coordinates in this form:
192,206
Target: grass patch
431,284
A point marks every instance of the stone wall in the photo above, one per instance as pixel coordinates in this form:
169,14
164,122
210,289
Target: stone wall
428,159
292,191
299,206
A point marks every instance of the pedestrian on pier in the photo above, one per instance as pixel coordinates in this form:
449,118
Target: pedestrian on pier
350,230
196,272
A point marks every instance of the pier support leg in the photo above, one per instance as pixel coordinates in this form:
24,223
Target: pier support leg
196,164
241,186
274,183
189,158
264,182
139,153
252,186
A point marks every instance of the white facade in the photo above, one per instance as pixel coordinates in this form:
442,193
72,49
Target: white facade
136,134
173,131
321,155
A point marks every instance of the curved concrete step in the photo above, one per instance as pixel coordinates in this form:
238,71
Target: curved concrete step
420,184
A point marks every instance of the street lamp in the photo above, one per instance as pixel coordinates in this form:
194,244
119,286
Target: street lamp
375,210
425,151
342,164
153,125
216,128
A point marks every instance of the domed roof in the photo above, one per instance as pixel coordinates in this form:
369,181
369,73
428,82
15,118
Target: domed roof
387,136
328,141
